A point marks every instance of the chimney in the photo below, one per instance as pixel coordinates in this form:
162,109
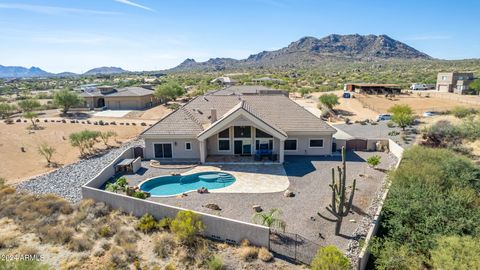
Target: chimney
213,115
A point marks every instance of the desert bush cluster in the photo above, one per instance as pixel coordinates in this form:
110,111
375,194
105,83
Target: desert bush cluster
431,213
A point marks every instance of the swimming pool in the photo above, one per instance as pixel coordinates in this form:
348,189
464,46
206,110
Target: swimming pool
178,184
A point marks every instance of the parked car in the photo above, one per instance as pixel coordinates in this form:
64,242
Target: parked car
384,117
429,113
418,86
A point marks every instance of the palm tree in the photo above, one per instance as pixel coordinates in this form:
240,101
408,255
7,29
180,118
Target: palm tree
270,219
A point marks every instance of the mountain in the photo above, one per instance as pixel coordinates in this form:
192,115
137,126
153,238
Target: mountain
105,70
16,72
311,51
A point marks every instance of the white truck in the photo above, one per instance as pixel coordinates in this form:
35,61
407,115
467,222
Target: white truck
418,86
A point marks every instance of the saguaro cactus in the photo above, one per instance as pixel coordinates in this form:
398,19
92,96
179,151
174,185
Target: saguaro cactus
341,199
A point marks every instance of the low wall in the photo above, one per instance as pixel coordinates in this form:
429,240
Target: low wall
397,151
137,164
219,228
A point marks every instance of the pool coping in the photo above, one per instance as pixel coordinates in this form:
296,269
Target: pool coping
185,174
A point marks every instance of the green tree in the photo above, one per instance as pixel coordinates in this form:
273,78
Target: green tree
47,152
270,219
186,226
29,105
105,136
169,91
6,110
31,116
84,140
330,258
456,252
66,99
475,85
402,115
329,100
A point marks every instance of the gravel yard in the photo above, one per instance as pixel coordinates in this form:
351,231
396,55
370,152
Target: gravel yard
67,181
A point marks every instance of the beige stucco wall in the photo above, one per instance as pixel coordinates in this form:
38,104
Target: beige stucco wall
303,145
123,103
178,150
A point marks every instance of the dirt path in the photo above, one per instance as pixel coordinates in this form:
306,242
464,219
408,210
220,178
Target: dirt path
16,165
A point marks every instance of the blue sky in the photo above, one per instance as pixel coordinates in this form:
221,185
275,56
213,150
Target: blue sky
138,35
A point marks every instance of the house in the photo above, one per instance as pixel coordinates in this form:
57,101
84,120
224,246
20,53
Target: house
267,80
248,90
454,82
223,81
372,88
127,98
238,127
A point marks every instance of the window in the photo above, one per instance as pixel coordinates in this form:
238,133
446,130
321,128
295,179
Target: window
188,146
316,143
242,132
260,134
290,145
264,144
444,78
224,140
224,145
224,134
162,150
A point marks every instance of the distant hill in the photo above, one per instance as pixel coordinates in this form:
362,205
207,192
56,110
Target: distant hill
17,72
311,51
105,70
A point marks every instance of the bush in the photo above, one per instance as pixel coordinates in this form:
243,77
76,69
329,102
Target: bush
248,253
147,224
163,244
329,100
23,265
165,223
462,112
80,243
59,234
215,263
265,255
374,160
186,226
170,266
456,252
330,257
125,236
139,194
433,193
105,231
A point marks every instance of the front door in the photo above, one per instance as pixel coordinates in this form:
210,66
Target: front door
238,147
163,150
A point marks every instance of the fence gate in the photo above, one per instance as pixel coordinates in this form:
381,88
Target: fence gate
138,152
292,246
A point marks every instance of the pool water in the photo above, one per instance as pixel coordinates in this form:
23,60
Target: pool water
178,184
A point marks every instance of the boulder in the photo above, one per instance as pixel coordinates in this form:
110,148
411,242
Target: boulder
212,206
288,193
257,208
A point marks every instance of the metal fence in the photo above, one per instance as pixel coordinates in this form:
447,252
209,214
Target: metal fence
292,246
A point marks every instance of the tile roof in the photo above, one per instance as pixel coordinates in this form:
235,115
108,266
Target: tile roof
276,110
246,90
121,92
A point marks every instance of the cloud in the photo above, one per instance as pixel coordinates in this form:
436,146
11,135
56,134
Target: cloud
130,3
428,37
54,10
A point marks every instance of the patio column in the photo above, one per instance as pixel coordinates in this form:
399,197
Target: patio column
203,151
282,152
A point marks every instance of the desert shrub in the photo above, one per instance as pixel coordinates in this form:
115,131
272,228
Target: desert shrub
265,255
462,112
186,226
456,252
164,223
329,100
391,255
130,251
23,265
125,236
442,134
147,224
433,193
59,234
27,251
248,253
105,231
374,160
215,263
163,244
8,241
170,266
330,257
117,257
139,194
80,243
390,124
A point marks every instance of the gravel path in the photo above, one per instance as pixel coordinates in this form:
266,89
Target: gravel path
67,181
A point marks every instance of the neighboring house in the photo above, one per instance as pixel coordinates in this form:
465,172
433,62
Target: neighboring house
223,81
267,80
248,90
454,82
230,125
127,98
372,88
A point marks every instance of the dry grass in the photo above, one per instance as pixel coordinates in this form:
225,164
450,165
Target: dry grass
247,253
265,255
125,236
80,243
56,234
27,251
8,241
164,244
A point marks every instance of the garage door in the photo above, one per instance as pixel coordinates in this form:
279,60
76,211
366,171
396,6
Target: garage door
357,145
443,88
